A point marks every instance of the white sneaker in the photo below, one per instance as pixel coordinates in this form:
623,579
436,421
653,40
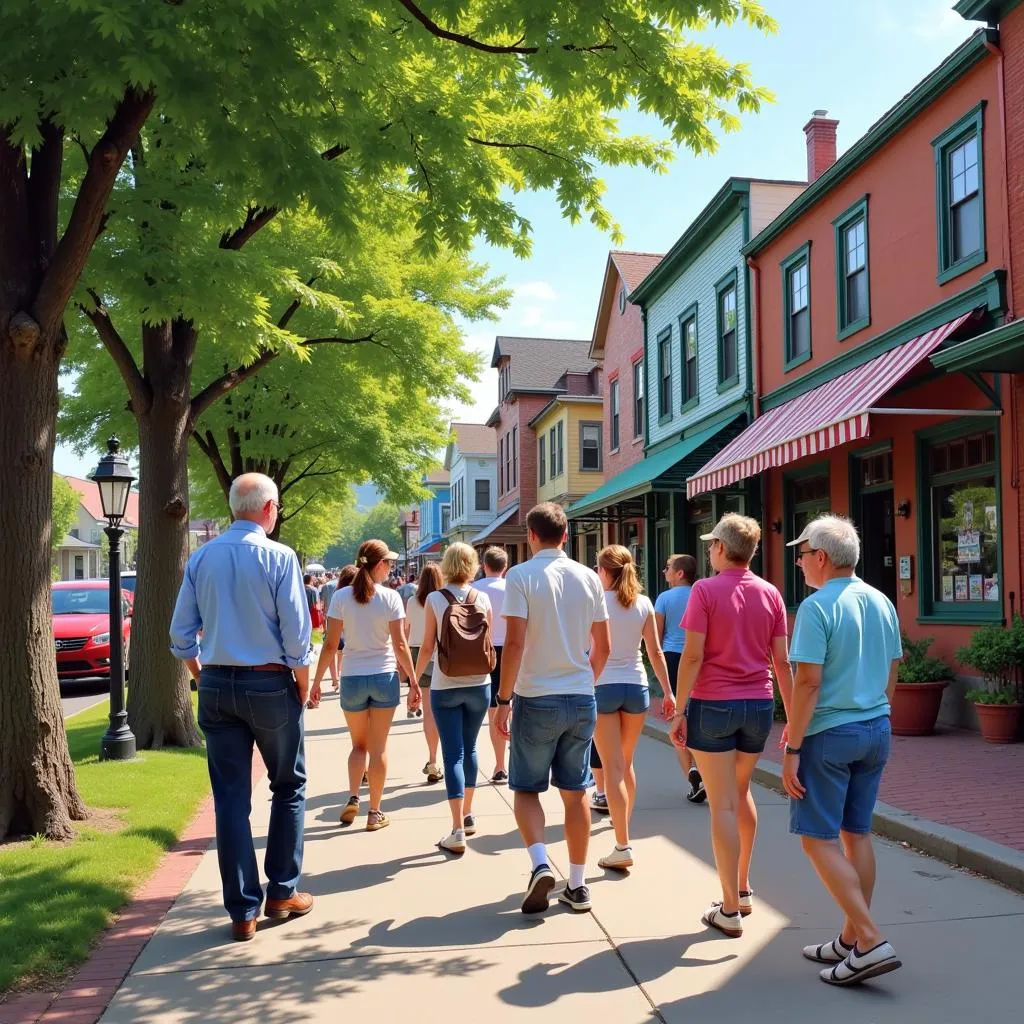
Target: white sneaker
617,859
746,902
727,924
833,952
454,842
858,967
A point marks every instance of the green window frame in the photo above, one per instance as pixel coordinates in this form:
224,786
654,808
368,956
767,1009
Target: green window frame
728,333
852,258
959,187
801,503
638,399
796,302
689,388
664,343
939,610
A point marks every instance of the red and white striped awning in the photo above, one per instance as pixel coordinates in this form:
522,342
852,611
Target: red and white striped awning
832,414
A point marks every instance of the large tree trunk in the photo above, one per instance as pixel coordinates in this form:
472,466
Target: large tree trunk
159,700
37,779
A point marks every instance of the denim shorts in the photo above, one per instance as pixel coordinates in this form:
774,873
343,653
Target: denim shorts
551,738
632,698
718,726
380,690
424,680
841,769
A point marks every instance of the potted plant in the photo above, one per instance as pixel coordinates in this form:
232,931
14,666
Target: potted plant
998,654
919,684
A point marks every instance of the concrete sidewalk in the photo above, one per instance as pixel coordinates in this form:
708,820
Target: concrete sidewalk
401,930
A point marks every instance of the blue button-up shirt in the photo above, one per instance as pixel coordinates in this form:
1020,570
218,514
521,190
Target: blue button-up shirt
245,593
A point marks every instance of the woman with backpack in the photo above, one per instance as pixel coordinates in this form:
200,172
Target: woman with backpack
623,695
458,625
372,618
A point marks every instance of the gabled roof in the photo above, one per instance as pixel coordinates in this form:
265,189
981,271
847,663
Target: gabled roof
89,497
475,438
631,268
634,266
438,477
538,363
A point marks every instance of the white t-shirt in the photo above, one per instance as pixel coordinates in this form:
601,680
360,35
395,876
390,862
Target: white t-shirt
416,614
438,603
494,588
625,664
368,647
560,600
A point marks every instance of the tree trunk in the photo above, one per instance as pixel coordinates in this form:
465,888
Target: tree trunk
159,699
37,779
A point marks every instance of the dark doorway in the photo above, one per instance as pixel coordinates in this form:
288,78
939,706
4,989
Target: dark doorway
878,547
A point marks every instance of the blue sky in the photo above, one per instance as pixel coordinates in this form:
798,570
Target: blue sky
854,58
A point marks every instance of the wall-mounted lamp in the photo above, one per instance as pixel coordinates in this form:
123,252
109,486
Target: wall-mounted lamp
777,526
903,509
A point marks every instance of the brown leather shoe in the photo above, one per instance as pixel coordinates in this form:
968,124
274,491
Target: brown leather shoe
298,905
243,931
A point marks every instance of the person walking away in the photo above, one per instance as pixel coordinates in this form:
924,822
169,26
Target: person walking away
313,601
623,694
406,591
495,563
680,573
416,617
736,630
458,627
243,593
555,612
327,591
371,617
846,648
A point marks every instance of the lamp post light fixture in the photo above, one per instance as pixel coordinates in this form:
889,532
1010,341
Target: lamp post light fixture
113,477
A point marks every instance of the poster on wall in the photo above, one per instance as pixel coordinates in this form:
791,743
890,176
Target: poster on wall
968,515
990,519
976,587
961,588
968,546
992,588
947,588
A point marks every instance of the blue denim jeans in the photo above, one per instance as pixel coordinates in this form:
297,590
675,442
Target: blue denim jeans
551,738
237,709
458,713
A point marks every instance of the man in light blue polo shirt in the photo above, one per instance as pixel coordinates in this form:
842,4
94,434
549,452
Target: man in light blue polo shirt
846,646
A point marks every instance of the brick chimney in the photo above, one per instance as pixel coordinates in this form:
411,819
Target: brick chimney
821,144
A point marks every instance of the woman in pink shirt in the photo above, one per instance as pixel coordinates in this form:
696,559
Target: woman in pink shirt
736,633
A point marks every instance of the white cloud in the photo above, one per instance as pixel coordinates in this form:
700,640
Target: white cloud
539,291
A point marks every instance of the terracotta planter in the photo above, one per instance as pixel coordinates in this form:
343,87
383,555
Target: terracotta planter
999,722
915,707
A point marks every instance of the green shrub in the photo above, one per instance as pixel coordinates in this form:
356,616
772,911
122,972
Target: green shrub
917,666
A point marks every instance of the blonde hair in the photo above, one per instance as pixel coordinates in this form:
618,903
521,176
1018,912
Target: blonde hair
459,563
618,563
740,536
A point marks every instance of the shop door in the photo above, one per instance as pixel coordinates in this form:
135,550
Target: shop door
878,547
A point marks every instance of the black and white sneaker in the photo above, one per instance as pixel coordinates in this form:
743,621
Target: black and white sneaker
698,794
542,881
578,898
858,967
469,825
599,803
499,778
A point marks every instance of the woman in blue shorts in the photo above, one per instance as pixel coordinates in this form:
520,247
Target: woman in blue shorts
623,695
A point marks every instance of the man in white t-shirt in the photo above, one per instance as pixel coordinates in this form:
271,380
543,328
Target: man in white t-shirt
555,612
495,562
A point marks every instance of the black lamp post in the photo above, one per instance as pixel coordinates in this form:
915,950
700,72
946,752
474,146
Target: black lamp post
113,477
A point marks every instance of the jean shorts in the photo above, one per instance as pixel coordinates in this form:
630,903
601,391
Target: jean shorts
841,769
380,690
551,738
424,680
632,698
718,726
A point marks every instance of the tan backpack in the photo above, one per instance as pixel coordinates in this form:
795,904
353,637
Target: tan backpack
464,645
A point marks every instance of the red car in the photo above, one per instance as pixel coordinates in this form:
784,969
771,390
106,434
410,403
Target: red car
81,627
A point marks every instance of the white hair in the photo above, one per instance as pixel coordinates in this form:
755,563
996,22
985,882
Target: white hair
837,537
250,492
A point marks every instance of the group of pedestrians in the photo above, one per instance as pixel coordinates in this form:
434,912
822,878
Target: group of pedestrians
565,642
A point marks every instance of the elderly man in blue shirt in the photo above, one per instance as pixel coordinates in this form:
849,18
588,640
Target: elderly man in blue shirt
846,647
244,593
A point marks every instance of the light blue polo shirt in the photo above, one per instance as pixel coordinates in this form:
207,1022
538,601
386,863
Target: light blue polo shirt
851,630
672,604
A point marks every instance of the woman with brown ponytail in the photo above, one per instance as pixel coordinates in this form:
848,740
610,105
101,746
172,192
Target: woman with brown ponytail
371,616
623,695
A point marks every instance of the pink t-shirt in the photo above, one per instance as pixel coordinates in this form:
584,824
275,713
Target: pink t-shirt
739,614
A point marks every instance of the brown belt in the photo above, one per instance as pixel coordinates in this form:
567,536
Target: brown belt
270,667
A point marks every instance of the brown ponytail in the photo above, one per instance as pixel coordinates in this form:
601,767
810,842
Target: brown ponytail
371,553
430,580
346,575
618,563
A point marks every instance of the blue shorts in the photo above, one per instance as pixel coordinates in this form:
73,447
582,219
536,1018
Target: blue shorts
718,726
375,691
551,738
841,769
632,698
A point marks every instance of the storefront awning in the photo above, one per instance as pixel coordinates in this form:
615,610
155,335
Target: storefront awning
648,473
835,413
491,528
428,547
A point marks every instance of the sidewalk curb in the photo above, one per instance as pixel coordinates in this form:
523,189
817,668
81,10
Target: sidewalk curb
953,845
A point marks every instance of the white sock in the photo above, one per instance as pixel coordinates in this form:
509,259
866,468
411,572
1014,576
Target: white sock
538,855
577,875
628,846
598,793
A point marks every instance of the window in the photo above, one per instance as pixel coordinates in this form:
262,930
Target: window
665,375
622,299
613,408
960,195
961,535
728,332
501,462
515,456
554,458
79,567
561,449
446,519
638,398
796,280
807,495
590,447
483,496
541,468
853,290
688,355
508,462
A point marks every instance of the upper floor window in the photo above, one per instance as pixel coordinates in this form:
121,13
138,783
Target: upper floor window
638,398
446,518
542,470
501,463
796,280
613,413
960,195
590,446
665,374
555,438
853,295
561,449
622,299
515,456
688,354
728,332
483,496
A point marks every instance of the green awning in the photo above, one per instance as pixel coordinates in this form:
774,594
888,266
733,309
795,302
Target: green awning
997,351
665,470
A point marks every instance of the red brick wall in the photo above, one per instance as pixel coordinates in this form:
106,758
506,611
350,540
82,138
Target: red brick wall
623,339
517,411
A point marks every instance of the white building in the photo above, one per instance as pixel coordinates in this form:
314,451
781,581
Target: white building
472,462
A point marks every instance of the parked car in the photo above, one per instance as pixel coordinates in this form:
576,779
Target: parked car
81,627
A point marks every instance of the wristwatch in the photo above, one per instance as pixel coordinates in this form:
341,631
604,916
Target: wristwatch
502,702
792,750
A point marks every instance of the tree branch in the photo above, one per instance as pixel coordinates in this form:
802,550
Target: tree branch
309,476
211,450
255,218
292,515
518,145
44,188
138,389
